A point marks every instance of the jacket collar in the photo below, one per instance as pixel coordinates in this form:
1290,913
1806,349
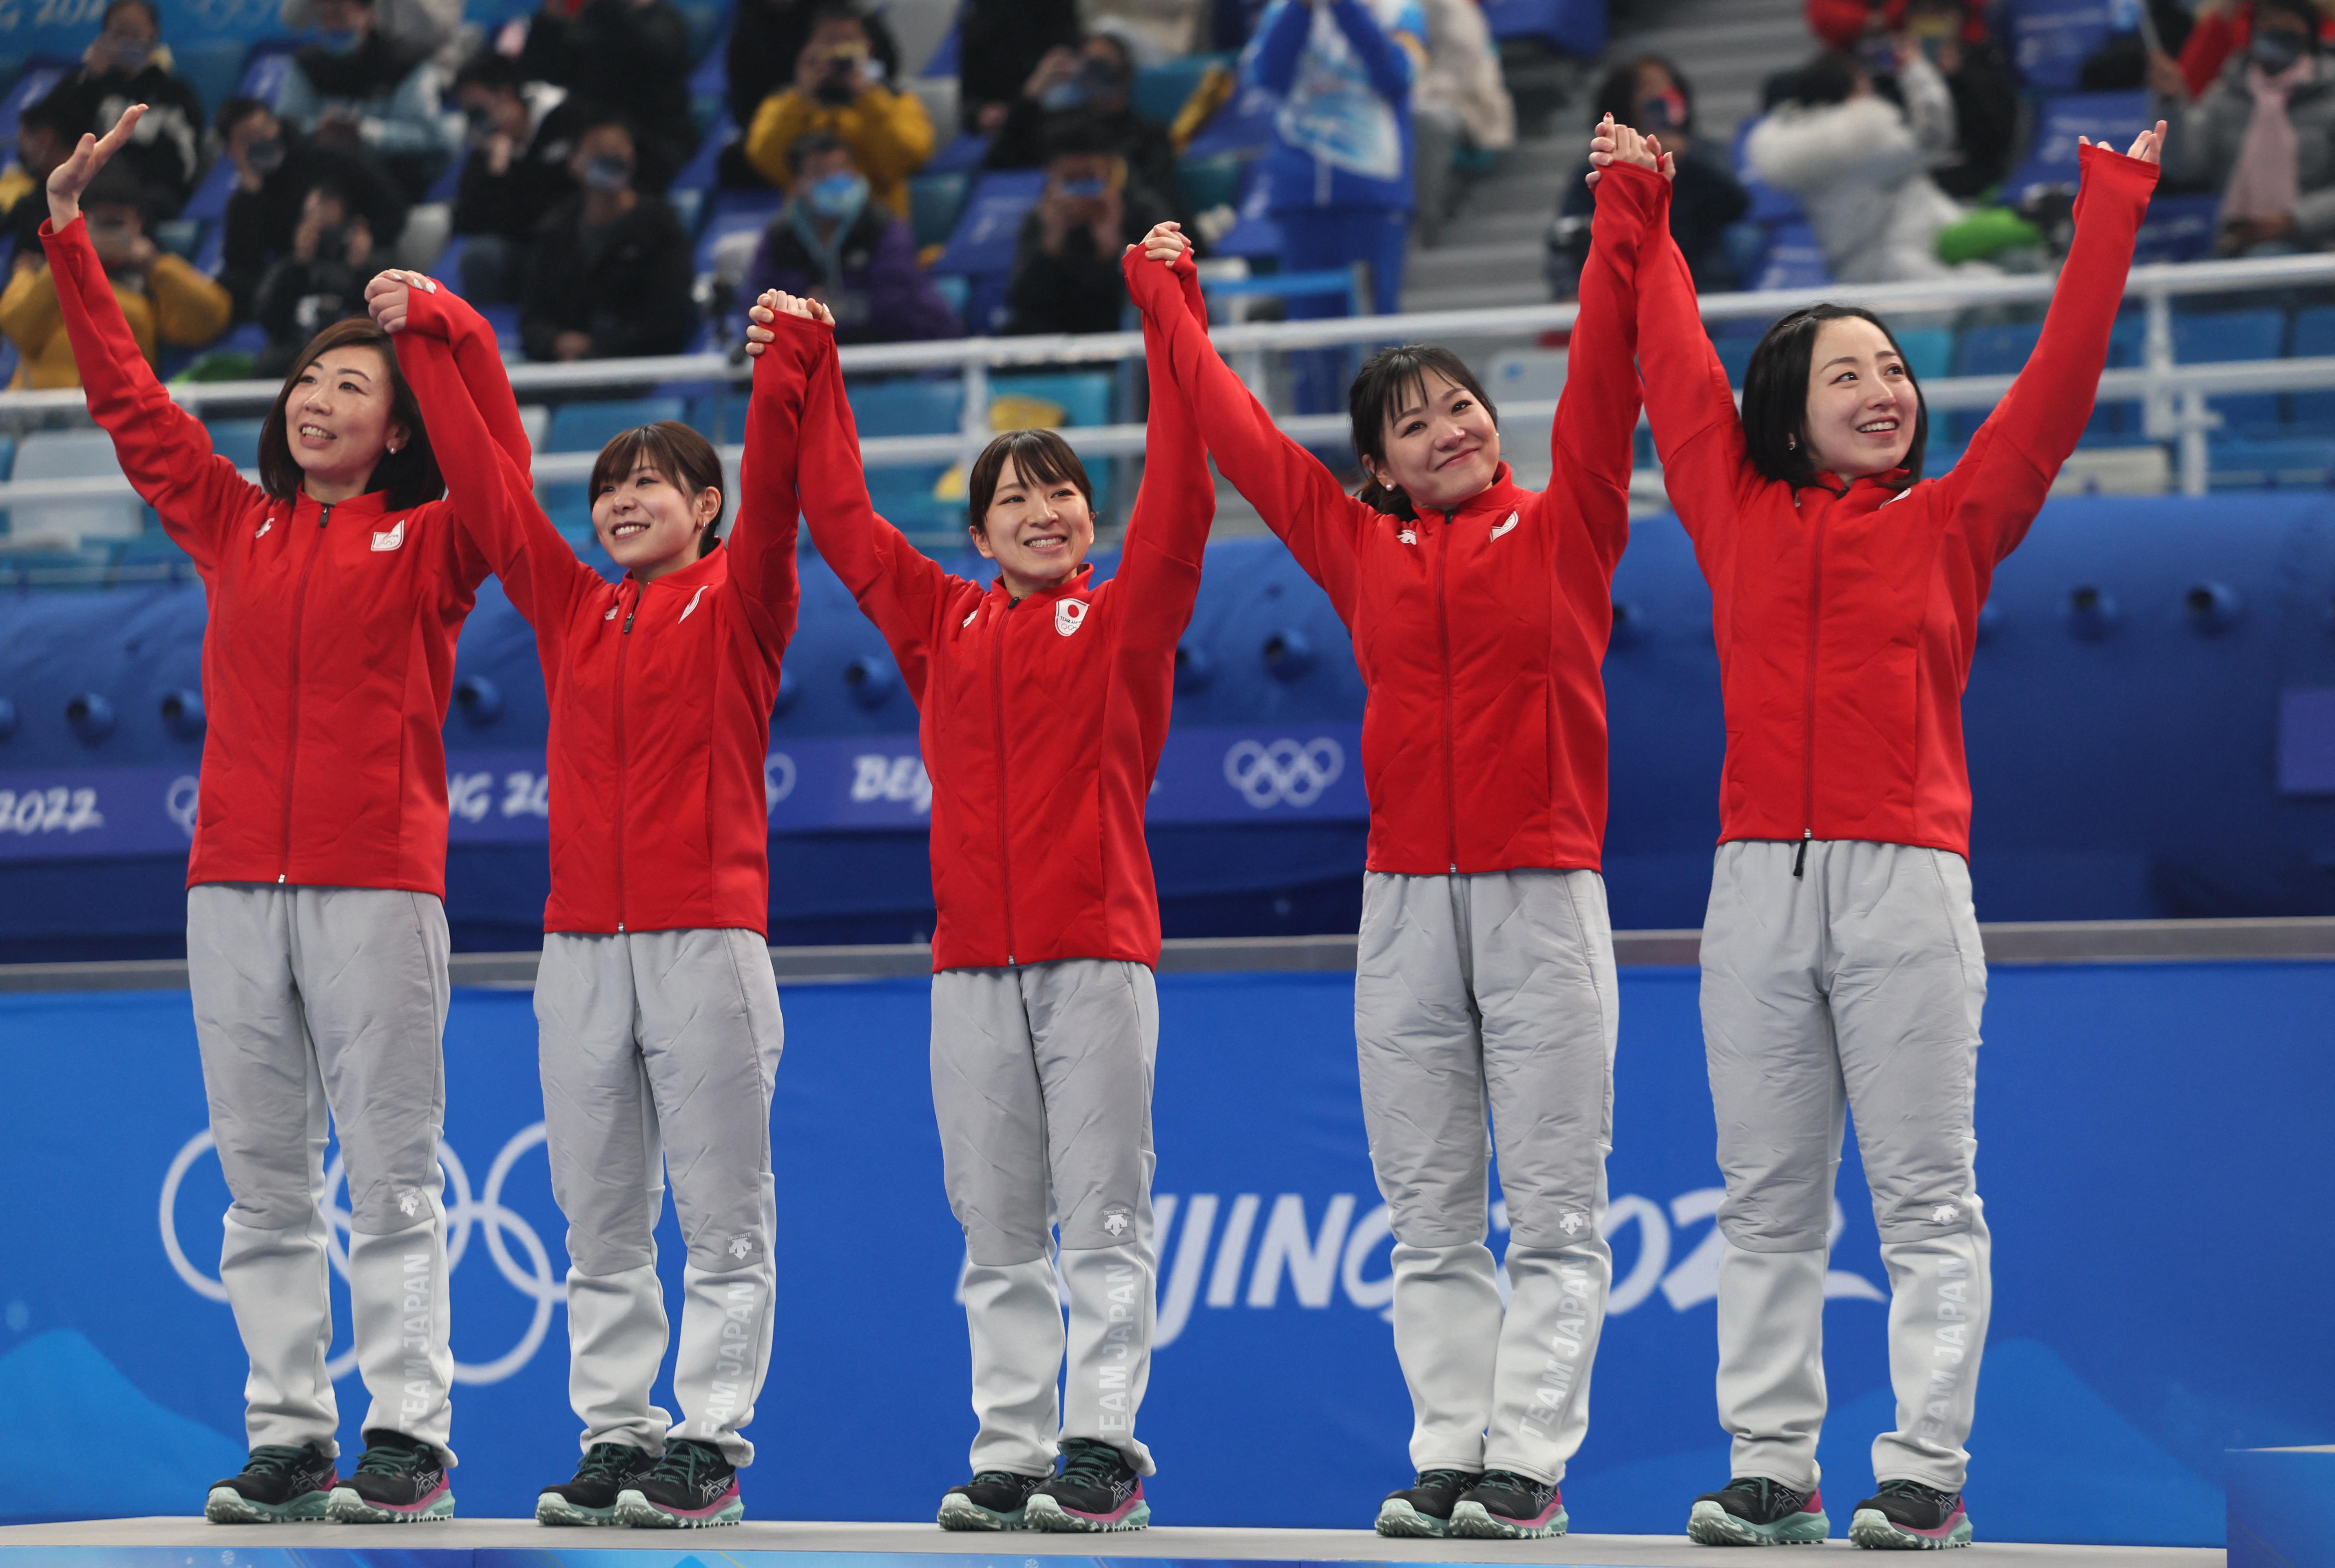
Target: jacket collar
706,568
1502,495
371,504
1077,581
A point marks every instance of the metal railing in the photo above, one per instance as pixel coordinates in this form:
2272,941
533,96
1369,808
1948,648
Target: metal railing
2176,397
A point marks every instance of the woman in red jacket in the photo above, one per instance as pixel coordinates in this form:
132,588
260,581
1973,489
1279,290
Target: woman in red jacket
1484,982
316,932
1043,698
1841,965
659,1012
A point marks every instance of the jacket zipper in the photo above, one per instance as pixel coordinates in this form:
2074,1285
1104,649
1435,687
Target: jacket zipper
1808,738
623,769
1443,637
997,715
292,719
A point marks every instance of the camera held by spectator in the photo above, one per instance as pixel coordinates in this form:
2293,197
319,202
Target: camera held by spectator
840,87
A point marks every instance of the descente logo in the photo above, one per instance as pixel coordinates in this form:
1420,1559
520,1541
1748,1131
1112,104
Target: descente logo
1203,1263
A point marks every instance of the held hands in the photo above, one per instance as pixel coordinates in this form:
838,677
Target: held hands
774,305
2148,146
1164,244
1615,143
72,177
390,297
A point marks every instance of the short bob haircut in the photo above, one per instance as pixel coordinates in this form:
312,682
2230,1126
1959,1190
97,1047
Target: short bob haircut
409,475
1040,456
686,458
1393,378
1775,396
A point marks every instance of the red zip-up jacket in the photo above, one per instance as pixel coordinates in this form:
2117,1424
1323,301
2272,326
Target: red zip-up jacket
659,696
1846,619
1480,631
329,657
1040,721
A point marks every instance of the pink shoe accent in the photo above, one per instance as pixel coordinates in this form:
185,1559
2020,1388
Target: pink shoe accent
723,1501
1942,1531
1555,1507
419,1505
1815,1504
1134,1501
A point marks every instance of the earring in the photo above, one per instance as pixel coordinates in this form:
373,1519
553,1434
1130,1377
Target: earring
1792,443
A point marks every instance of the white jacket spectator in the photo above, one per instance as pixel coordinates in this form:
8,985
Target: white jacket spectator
1462,79
1155,31
1860,166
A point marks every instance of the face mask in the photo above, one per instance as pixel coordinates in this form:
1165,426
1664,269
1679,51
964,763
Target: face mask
607,173
1085,189
265,157
341,42
1665,111
132,54
480,118
2275,52
1063,95
839,195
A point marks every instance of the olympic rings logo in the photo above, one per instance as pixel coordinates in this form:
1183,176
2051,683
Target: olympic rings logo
181,801
1286,772
778,779
464,1215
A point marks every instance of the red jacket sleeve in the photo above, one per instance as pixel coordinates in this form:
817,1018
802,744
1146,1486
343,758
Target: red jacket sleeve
762,540
165,452
438,312
1298,498
2211,42
2012,459
493,496
1168,534
1697,430
1590,442
899,587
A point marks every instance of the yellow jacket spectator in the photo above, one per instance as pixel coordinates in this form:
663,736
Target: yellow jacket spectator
165,299
837,90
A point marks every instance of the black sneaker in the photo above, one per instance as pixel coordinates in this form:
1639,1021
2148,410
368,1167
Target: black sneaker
691,1487
1424,1507
399,1480
1907,1517
278,1483
607,1468
992,1500
1753,1511
1096,1490
1503,1505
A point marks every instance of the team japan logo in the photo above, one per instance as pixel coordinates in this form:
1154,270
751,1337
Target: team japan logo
1070,615
1284,772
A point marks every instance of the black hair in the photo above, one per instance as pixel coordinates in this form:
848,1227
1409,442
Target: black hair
809,145
1392,378
837,11
235,111
409,475
1040,456
116,186
1617,95
1076,134
153,15
2303,11
592,117
1775,396
48,114
1830,78
490,70
332,188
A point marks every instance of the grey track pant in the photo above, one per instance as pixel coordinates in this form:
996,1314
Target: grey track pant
1854,986
657,1050
1476,996
320,1008
1042,1082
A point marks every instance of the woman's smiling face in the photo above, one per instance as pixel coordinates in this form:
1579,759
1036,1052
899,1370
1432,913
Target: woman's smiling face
1862,405
650,525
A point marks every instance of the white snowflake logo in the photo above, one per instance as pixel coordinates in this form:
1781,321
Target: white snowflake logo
741,1245
1945,1214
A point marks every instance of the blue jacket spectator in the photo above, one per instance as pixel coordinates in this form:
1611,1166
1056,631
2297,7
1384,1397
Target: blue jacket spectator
834,243
354,86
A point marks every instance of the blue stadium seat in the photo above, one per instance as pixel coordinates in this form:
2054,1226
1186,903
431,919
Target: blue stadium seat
911,406
1254,233
705,27
2177,228
1243,128
698,173
1209,182
1085,396
1735,340
1795,259
238,441
2237,335
587,427
990,225
209,200
2313,412
960,154
1929,351
935,202
264,68
1999,350
40,72
1160,91
2272,462
2050,40
211,66
1574,27
734,213
2115,118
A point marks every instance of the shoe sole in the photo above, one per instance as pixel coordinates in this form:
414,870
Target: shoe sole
1478,1523
1043,1512
959,1512
551,1508
1396,1517
637,1511
1876,1531
345,1507
226,1505
1710,1524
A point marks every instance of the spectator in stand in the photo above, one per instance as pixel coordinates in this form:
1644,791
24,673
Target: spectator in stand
1460,101
522,134
1952,34
44,139
1066,269
275,169
837,88
1341,161
1650,95
165,298
611,277
834,243
424,28
2263,135
356,88
2143,55
631,52
1092,84
767,38
999,43
127,63
1154,31
1860,164
322,281
2221,28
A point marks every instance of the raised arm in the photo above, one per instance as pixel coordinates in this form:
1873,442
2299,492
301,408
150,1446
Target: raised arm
1279,40
762,540
1589,440
2010,462
447,317
1697,432
1298,498
1160,561
1387,62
